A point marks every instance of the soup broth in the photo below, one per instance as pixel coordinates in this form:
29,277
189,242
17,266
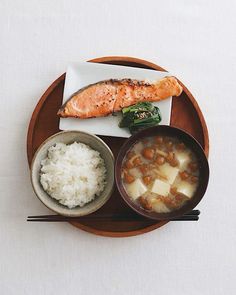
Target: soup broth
160,173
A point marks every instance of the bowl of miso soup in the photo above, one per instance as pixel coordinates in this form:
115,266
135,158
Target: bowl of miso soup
162,172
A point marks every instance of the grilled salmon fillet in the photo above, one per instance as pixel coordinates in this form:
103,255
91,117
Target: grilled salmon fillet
105,97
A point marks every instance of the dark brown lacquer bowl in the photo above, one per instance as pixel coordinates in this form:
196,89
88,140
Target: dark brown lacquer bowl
191,143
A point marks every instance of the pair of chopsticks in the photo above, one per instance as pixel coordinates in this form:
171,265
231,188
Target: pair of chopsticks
190,216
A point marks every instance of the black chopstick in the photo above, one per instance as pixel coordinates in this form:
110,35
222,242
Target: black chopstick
190,216
193,212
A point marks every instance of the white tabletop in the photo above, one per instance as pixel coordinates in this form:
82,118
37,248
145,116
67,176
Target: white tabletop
195,40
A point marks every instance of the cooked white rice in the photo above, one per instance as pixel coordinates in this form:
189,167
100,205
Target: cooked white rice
73,174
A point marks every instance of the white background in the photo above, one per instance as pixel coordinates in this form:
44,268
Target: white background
195,40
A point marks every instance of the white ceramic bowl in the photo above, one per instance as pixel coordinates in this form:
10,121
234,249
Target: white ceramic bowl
68,137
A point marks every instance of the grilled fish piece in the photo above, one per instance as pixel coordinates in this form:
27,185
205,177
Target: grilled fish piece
109,96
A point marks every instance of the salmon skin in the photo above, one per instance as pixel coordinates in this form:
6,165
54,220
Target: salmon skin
109,96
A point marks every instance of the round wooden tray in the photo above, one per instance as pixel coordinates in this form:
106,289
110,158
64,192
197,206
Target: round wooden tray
44,122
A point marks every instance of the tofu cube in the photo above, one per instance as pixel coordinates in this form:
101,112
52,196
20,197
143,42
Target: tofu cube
136,189
160,187
160,207
169,172
186,189
183,159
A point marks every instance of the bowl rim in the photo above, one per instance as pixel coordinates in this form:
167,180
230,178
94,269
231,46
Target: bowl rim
204,169
72,214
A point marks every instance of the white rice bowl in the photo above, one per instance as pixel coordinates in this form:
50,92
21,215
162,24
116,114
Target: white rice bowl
73,174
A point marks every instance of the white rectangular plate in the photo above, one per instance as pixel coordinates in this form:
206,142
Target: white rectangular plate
81,74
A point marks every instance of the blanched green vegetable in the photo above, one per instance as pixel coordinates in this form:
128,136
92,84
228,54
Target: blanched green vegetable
140,116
